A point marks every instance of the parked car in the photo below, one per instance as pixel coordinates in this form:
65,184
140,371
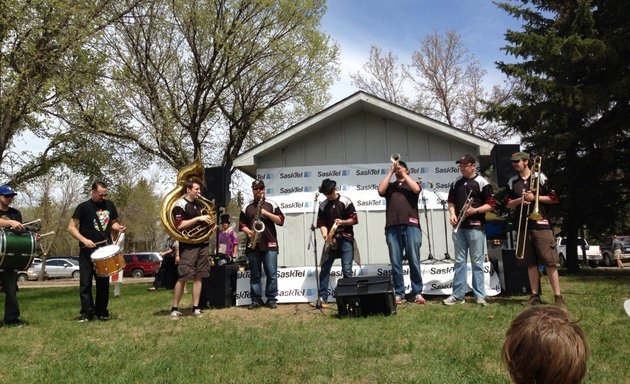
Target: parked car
607,253
593,257
30,274
57,268
140,264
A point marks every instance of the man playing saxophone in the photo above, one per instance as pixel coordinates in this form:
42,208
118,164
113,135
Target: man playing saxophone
194,263
538,239
258,220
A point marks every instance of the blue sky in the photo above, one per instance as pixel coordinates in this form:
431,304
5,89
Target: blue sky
399,25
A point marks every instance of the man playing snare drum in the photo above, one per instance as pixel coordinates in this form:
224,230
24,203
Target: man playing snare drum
91,223
11,219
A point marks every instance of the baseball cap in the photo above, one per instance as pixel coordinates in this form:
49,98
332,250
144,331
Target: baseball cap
258,184
466,159
520,156
6,190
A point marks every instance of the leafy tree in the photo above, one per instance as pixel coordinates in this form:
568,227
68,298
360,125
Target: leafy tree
572,106
44,52
208,77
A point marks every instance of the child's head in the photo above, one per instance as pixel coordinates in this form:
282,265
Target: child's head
543,345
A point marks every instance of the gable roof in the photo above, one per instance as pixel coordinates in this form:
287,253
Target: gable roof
351,104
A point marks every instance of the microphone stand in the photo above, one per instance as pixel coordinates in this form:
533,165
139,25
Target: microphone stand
444,204
313,240
426,219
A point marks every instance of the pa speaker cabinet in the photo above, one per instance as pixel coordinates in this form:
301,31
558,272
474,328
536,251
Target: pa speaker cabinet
217,186
501,155
365,295
513,278
217,290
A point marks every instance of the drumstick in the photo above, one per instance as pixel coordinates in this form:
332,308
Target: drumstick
32,222
97,243
47,234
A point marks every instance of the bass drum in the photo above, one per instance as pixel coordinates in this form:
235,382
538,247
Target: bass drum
17,250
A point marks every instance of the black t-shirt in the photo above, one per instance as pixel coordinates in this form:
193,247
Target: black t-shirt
186,210
340,208
88,212
516,185
11,214
402,205
481,194
269,237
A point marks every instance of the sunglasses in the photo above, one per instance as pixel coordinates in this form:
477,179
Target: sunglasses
258,188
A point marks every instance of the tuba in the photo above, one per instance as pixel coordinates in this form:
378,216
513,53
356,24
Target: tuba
199,233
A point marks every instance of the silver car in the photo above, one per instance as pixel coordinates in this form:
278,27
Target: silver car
56,268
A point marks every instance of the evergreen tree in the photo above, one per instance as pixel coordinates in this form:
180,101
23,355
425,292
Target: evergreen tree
572,106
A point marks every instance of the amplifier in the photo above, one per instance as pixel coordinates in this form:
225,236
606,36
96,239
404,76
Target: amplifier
365,295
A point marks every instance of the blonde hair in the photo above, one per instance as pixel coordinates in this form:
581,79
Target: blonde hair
543,345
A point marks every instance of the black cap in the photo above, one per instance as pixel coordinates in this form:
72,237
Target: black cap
466,159
403,164
258,184
327,186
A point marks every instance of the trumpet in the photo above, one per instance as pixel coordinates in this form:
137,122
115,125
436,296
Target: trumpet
462,212
330,239
395,158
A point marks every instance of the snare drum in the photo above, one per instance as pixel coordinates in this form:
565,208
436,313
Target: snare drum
17,250
108,260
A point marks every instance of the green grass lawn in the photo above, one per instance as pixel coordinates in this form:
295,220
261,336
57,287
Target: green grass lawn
294,344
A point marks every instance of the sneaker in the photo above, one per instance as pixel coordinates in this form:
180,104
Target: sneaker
103,318
534,299
85,319
451,300
419,299
399,300
16,323
272,305
176,315
254,305
197,313
559,301
481,301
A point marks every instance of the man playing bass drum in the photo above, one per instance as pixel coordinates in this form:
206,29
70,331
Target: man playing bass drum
539,242
263,252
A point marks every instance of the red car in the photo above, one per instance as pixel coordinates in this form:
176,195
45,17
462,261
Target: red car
142,264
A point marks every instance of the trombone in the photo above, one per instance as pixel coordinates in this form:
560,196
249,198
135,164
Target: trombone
535,214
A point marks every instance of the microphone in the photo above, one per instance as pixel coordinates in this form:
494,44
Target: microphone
430,184
316,195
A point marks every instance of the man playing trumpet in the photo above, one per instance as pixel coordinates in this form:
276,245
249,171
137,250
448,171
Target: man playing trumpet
194,263
538,239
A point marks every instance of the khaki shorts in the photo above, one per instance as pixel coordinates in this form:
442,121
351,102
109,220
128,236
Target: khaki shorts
193,262
540,248
617,254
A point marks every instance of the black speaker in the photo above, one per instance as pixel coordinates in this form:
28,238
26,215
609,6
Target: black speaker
513,278
365,295
217,290
501,156
217,186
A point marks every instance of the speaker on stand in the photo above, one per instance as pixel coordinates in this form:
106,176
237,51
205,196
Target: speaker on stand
217,186
501,155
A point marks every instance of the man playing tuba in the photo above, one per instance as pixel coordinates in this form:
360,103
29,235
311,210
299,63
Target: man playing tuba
194,263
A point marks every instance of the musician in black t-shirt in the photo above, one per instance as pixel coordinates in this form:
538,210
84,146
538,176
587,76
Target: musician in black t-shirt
539,241
470,237
402,228
10,219
91,224
337,211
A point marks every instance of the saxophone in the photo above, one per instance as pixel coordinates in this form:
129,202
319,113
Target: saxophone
258,226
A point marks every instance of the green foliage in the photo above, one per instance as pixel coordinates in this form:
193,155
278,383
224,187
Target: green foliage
295,344
572,104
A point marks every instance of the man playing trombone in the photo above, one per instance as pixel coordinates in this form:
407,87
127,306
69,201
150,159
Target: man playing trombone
469,198
535,241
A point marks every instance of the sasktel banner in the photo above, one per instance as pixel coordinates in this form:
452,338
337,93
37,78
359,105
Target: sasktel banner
293,188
